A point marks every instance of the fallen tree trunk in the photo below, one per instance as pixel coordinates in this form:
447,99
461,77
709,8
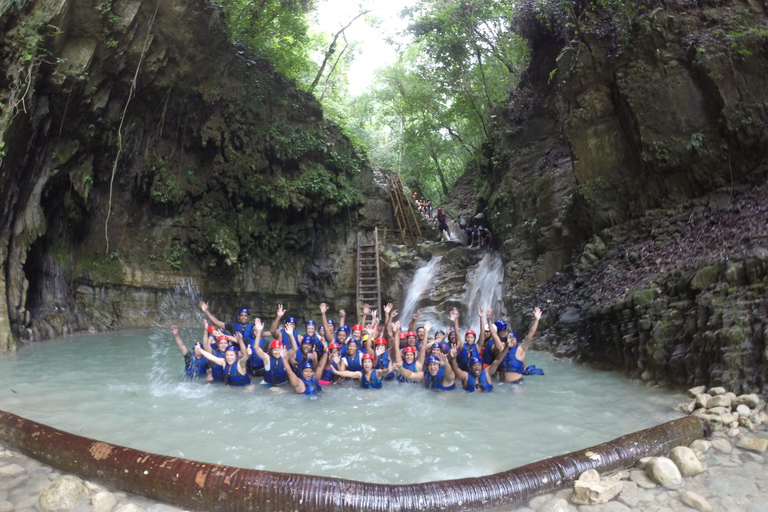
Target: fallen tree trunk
212,487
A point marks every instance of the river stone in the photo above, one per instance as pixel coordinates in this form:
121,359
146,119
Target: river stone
642,462
702,400
719,401
66,493
743,410
718,410
628,494
751,400
11,470
732,396
555,505
694,392
717,391
753,443
722,445
688,407
663,471
686,461
591,492
6,506
702,445
728,419
746,423
734,432
103,501
693,500
641,478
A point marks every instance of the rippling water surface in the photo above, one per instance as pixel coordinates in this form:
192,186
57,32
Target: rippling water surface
124,388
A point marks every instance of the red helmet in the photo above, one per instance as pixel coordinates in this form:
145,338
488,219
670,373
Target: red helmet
333,345
368,356
275,344
211,328
219,338
473,333
380,341
402,336
357,328
410,333
409,349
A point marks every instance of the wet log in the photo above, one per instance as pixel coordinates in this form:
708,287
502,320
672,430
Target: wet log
211,487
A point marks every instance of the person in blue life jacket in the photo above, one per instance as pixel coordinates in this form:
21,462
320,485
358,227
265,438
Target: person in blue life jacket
353,360
369,377
282,333
467,348
513,368
242,325
218,347
313,336
274,369
327,376
437,374
477,378
307,381
408,357
234,361
306,352
195,364
382,357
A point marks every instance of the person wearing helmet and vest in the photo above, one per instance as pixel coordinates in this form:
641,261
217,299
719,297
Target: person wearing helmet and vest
311,333
513,368
274,369
217,370
437,374
369,377
195,364
477,378
282,334
327,377
233,363
353,361
242,325
409,358
306,382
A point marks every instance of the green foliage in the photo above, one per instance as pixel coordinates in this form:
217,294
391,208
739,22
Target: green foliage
274,29
174,257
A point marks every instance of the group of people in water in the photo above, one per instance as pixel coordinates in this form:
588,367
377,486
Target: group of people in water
372,352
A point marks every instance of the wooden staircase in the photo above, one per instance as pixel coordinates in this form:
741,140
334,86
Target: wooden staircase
368,276
402,208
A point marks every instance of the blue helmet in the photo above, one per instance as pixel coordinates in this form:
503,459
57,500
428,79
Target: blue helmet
231,347
244,311
310,322
346,328
330,321
341,329
433,359
474,360
501,325
290,320
512,335
307,340
306,364
440,332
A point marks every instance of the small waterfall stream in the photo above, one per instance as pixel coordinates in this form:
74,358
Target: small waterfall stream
421,280
485,289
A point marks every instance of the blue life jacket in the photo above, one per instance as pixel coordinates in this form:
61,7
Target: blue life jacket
488,355
319,347
467,352
436,382
217,371
312,386
412,367
328,374
374,383
512,364
483,381
382,363
276,373
246,330
355,363
255,364
197,368
233,377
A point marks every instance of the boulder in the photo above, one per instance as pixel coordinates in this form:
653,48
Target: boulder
717,391
103,501
693,500
694,392
702,400
686,461
753,443
719,401
728,418
746,423
722,445
66,493
629,494
555,505
743,410
11,470
588,491
640,477
664,472
751,400
702,445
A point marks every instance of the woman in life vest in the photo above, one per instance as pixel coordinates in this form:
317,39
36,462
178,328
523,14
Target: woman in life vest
477,378
512,366
353,360
217,370
328,360
468,348
274,369
306,383
368,377
233,363
195,364
437,375
408,358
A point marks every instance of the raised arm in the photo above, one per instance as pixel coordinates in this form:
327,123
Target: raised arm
424,347
529,337
342,318
179,343
449,377
328,332
294,348
396,336
258,326
384,371
297,383
499,358
215,321
481,333
387,316
458,372
366,312
414,317
453,316
408,374
321,365
241,363
497,343
274,329
218,360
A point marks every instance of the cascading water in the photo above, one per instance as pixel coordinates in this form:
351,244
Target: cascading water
485,289
421,280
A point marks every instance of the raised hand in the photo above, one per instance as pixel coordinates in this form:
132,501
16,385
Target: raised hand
480,311
282,352
342,313
454,314
416,315
323,307
427,325
239,336
205,324
280,311
380,349
366,309
203,306
388,308
396,326
288,329
394,314
537,313
175,330
258,325
453,353
488,313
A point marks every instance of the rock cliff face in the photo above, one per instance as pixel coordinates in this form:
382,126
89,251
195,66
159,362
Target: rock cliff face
138,147
605,158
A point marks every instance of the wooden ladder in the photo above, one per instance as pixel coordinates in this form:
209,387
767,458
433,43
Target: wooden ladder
368,275
402,209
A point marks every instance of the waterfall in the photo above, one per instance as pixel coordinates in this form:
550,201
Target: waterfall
485,289
421,279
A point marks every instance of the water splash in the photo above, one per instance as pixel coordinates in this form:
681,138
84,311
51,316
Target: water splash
485,288
421,279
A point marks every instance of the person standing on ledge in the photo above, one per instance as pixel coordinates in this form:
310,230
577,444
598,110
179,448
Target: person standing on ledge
442,225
